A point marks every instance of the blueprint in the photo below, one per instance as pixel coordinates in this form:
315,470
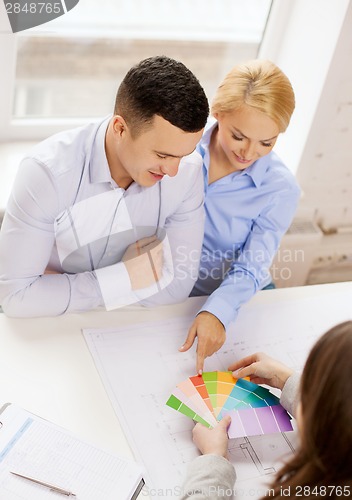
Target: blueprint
140,365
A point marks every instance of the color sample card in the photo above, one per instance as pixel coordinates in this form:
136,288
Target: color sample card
196,401
176,404
254,410
199,384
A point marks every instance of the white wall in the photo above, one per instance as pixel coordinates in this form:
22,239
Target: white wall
311,40
315,51
325,168
301,37
8,67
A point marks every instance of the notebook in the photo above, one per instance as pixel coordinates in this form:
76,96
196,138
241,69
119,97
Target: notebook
67,466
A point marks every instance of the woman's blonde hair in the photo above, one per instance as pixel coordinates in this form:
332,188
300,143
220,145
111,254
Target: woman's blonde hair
261,85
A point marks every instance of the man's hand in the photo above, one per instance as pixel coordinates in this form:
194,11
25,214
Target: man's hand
262,369
144,262
212,441
211,336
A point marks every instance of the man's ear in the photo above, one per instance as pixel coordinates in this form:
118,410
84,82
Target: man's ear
119,125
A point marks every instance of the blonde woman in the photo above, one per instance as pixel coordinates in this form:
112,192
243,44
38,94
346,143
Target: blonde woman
250,196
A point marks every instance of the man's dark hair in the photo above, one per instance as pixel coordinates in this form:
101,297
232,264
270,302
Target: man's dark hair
164,87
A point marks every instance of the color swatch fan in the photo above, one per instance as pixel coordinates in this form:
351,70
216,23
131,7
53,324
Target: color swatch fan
254,410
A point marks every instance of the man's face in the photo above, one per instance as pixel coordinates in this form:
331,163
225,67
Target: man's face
156,151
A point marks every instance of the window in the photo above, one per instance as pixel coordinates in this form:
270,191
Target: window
69,69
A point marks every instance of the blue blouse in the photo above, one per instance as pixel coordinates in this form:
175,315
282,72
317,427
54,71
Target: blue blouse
247,213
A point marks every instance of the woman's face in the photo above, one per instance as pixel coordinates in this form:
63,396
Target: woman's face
245,135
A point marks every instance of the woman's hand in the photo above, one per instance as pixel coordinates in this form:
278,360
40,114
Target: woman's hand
262,369
212,441
211,336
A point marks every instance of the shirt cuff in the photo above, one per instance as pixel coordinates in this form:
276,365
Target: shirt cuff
116,289
221,309
115,286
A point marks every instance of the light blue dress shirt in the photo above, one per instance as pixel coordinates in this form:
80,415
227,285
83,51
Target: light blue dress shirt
66,214
247,213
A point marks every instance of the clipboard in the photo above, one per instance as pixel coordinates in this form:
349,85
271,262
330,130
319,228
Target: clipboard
40,460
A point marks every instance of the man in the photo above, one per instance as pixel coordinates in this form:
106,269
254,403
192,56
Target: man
97,215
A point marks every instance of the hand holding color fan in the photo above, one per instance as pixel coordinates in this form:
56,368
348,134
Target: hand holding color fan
254,410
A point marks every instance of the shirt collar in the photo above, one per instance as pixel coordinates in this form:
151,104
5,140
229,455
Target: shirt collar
99,170
256,171
203,145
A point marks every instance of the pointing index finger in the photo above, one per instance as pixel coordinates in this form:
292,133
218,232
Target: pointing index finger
200,360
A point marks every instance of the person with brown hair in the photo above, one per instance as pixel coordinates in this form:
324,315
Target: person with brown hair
321,466
111,213
250,196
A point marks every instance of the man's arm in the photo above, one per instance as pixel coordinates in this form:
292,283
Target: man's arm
26,243
180,241
184,233
27,239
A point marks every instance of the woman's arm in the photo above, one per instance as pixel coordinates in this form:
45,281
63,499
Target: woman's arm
248,273
210,475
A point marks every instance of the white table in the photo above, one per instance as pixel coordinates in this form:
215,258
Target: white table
45,365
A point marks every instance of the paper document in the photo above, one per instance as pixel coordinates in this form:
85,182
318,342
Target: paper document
140,365
33,447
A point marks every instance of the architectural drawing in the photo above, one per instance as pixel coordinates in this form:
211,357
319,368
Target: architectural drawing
140,365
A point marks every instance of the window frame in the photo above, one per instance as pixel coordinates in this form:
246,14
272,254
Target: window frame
22,129
275,37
